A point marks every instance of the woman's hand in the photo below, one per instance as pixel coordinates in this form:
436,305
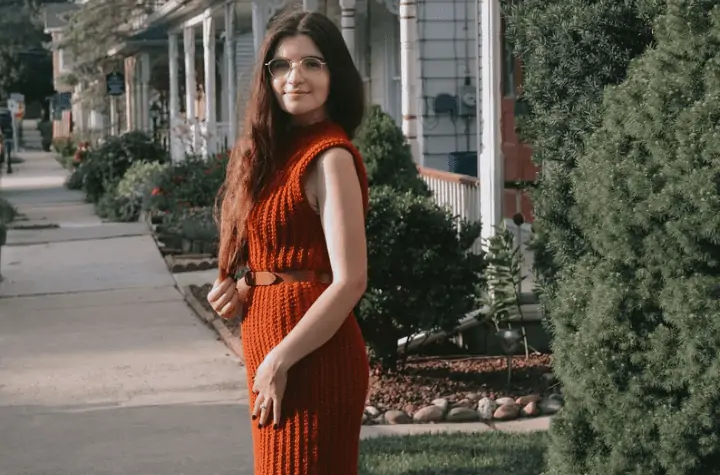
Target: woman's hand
225,298
269,386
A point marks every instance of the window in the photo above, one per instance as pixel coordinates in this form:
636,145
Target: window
508,64
393,99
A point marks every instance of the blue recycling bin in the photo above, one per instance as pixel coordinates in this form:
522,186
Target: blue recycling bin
464,163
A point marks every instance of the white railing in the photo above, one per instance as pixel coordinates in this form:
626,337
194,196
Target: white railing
460,194
197,136
223,136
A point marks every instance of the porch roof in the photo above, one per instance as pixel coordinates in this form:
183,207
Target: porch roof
168,17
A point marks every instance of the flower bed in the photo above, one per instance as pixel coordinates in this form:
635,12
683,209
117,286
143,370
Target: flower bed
463,388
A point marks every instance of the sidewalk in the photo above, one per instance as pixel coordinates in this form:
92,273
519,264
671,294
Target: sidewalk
103,367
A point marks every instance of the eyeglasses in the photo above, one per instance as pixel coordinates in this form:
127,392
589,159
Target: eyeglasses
281,67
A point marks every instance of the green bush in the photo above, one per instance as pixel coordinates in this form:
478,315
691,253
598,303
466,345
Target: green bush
194,182
64,146
139,180
570,50
124,201
387,155
114,207
422,275
194,224
637,320
105,166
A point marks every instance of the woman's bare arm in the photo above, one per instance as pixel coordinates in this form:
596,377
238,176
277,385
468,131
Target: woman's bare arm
339,202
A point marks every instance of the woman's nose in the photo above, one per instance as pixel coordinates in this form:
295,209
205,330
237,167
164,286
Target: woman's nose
294,75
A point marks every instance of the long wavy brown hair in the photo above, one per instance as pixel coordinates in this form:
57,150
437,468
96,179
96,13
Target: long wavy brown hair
254,158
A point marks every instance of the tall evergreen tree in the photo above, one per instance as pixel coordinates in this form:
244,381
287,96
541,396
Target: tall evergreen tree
637,320
570,50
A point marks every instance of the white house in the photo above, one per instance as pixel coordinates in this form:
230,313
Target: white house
419,60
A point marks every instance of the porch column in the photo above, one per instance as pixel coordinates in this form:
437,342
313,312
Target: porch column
408,75
176,151
129,91
490,160
190,85
145,92
347,24
262,11
230,72
310,5
210,82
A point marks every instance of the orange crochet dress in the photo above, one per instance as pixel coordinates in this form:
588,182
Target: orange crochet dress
326,392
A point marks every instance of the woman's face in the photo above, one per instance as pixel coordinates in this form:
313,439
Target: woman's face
300,79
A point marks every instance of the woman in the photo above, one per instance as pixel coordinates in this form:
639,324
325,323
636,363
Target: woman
293,213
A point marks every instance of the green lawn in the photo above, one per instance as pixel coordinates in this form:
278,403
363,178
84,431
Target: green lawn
488,453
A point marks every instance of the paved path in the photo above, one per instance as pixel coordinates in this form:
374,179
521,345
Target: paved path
103,368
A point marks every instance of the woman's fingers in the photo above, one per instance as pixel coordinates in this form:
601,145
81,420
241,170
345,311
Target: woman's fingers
264,406
256,407
219,289
261,410
277,404
264,411
223,300
229,310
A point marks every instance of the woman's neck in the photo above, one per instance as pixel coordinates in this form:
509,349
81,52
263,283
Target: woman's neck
309,119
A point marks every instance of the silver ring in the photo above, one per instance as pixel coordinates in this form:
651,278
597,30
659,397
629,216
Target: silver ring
262,406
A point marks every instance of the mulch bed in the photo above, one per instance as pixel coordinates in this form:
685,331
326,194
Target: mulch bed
425,378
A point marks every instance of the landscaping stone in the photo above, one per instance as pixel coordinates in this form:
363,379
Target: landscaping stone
429,414
397,417
506,412
486,408
525,400
462,414
531,409
372,411
464,403
474,397
442,403
550,406
557,397
504,400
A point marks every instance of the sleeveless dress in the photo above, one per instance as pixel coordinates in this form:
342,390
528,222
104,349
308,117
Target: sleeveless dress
325,397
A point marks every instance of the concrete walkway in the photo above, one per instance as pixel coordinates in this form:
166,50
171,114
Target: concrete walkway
104,370
103,367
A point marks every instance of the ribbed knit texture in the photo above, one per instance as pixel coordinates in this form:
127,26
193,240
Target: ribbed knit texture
325,397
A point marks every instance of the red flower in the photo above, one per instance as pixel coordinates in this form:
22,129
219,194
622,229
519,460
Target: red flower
156,191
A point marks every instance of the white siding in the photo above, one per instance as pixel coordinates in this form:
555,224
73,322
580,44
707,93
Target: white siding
245,62
447,39
378,41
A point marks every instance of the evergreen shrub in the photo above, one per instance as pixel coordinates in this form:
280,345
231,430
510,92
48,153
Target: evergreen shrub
637,319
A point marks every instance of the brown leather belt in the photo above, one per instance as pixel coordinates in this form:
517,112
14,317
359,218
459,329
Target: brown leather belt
254,278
